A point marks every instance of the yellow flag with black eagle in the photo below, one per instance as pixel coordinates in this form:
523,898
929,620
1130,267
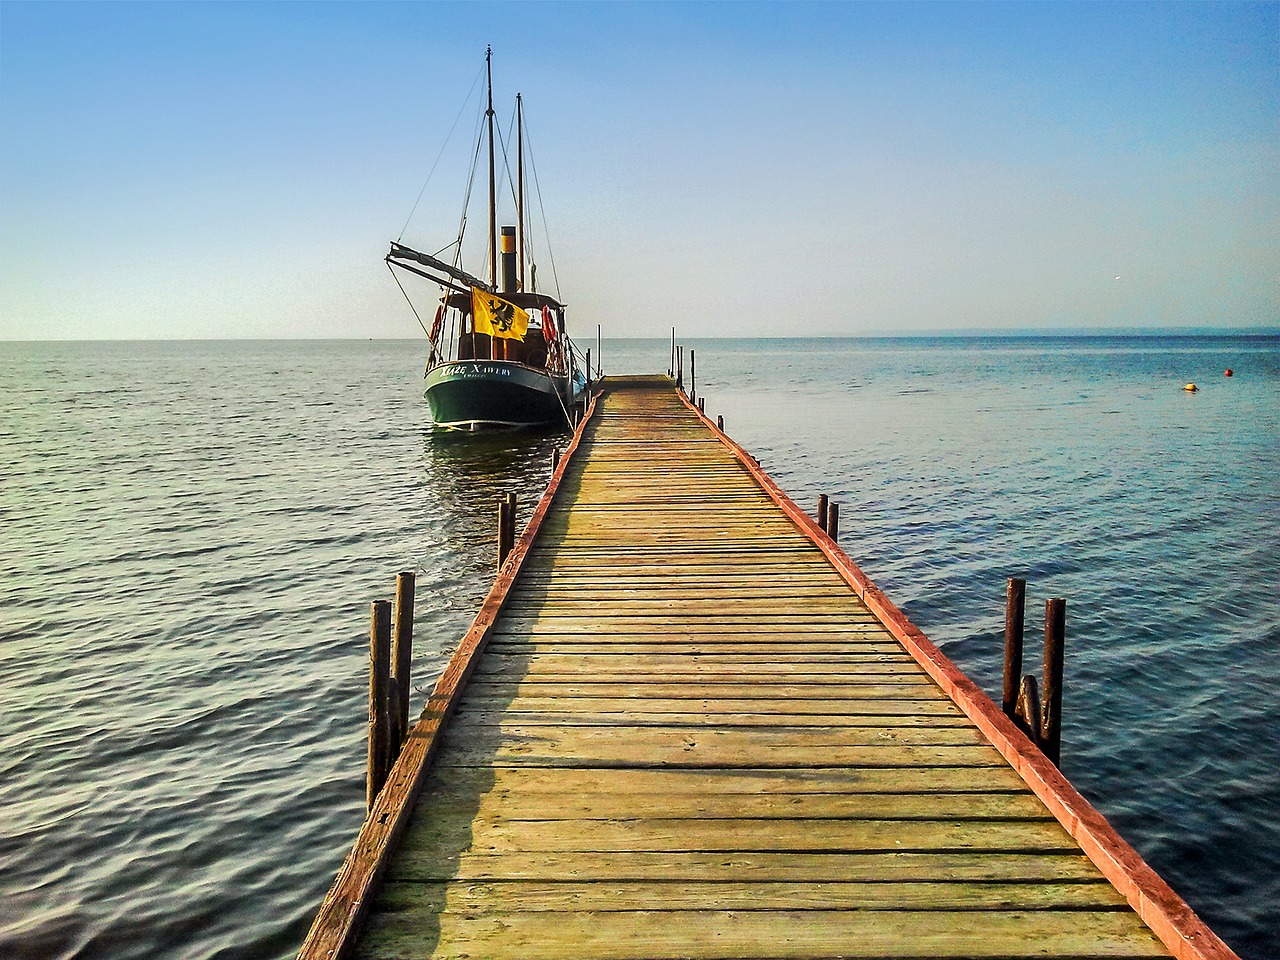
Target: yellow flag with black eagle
497,317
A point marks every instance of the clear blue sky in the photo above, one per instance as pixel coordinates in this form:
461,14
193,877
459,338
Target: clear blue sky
236,169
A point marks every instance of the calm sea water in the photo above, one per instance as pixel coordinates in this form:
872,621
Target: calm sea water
192,533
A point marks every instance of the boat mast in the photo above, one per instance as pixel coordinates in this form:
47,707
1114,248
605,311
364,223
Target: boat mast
493,193
520,191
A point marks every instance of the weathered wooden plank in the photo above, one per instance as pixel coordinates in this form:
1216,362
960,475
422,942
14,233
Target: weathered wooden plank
797,595
703,623
653,631
744,866
745,644
444,837
511,734
609,670
728,934
655,747
519,713
704,689
807,713
740,781
526,895
450,803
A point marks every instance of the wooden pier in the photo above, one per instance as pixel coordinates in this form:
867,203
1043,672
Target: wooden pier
684,724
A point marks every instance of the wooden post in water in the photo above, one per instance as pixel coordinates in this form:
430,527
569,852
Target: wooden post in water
702,404
511,529
1055,623
672,371
680,367
1027,713
401,660
833,521
555,459
1014,613
720,423
504,525
693,375
588,368
822,511
379,680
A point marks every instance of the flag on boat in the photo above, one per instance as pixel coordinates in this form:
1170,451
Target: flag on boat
548,326
497,317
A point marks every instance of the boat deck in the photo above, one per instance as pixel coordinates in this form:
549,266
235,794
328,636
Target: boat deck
691,731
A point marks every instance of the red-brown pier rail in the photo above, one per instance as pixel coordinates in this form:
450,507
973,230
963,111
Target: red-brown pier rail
684,724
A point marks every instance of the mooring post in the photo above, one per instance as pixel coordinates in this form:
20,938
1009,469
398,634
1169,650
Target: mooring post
401,659
588,368
555,459
693,374
1027,714
702,404
672,371
680,367
1055,623
720,423
1014,612
379,681
833,521
504,523
822,511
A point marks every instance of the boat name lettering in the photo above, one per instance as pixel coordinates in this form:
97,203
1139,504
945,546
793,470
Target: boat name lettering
466,373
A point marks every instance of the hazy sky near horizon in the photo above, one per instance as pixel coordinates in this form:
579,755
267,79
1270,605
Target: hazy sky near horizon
177,170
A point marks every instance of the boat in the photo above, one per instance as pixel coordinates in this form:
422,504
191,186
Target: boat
500,354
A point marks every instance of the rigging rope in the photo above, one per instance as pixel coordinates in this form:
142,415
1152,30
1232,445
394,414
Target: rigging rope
506,161
408,301
465,101
471,179
538,187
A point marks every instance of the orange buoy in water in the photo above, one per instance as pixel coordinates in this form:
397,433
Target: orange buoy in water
1229,373
1191,388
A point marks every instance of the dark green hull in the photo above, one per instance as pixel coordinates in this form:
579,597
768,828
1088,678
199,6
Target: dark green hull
479,394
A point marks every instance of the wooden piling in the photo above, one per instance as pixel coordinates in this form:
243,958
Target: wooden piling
505,524
401,660
379,680
511,525
702,404
833,521
555,459
1055,620
1027,714
1014,614
693,375
720,423
680,367
822,511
